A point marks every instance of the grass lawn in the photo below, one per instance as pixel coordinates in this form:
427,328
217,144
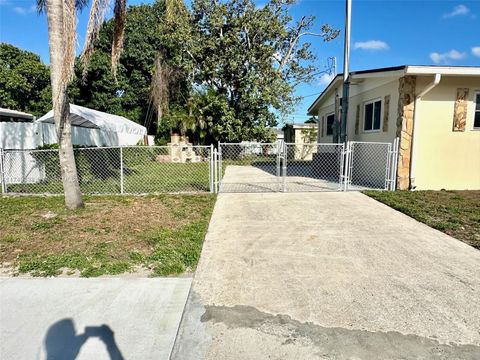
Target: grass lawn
162,234
456,213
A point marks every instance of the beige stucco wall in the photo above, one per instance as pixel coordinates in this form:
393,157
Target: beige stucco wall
360,93
303,151
443,158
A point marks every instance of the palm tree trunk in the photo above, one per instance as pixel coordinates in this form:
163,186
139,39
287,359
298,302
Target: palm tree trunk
61,107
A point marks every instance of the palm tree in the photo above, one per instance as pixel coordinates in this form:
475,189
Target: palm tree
62,35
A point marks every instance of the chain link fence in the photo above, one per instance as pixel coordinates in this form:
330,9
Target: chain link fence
241,167
111,170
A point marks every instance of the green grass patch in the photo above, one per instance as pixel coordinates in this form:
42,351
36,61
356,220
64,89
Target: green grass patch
111,235
456,213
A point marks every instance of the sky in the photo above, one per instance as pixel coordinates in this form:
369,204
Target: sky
384,33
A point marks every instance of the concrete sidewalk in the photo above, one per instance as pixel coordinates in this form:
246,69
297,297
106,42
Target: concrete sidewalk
329,276
102,318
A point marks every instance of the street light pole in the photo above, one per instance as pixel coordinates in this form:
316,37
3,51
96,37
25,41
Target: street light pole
346,73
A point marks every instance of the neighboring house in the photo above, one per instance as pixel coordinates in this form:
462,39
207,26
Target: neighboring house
13,116
433,110
301,135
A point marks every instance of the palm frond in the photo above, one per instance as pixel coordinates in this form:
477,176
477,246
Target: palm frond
95,21
120,14
79,4
41,6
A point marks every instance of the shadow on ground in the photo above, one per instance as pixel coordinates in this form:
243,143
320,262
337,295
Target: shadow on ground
63,343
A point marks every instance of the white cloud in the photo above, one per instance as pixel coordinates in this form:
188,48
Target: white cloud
25,10
371,45
445,58
476,51
459,10
325,79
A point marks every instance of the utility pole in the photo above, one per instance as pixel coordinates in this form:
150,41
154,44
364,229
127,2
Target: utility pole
346,73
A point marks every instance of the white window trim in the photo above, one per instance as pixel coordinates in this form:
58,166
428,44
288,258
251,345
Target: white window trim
381,115
326,122
475,94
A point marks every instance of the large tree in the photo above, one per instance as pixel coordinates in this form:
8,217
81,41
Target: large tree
251,60
24,81
62,35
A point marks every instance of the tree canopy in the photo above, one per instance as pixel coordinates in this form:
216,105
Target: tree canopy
24,81
223,70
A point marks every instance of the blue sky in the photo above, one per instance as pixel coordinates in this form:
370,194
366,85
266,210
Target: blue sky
384,33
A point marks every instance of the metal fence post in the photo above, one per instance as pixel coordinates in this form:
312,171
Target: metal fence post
121,170
2,172
211,165
284,167
220,168
279,161
349,165
388,178
396,143
215,171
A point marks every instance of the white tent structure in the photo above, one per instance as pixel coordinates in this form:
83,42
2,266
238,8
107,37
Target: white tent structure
95,128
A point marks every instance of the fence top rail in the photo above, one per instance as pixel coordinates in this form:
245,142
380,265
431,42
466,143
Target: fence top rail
108,147
248,143
315,144
370,142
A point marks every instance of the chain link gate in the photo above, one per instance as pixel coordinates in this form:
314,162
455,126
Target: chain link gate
299,167
250,167
313,167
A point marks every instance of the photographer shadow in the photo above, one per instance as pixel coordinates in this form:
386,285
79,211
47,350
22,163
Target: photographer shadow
62,341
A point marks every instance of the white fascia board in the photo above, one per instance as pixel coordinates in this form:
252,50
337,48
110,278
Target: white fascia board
443,70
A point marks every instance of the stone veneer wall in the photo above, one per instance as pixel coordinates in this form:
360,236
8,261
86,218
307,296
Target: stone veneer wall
406,108
461,108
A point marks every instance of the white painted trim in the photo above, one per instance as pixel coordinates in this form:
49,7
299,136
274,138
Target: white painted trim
443,70
373,101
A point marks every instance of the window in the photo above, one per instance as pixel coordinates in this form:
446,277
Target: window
330,122
476,117
372,115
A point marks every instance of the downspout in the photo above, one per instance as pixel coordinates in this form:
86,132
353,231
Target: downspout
427,89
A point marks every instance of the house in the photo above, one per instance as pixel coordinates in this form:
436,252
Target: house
433,110
300,134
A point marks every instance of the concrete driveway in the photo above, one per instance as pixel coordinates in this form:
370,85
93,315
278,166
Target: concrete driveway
329,276
103,318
